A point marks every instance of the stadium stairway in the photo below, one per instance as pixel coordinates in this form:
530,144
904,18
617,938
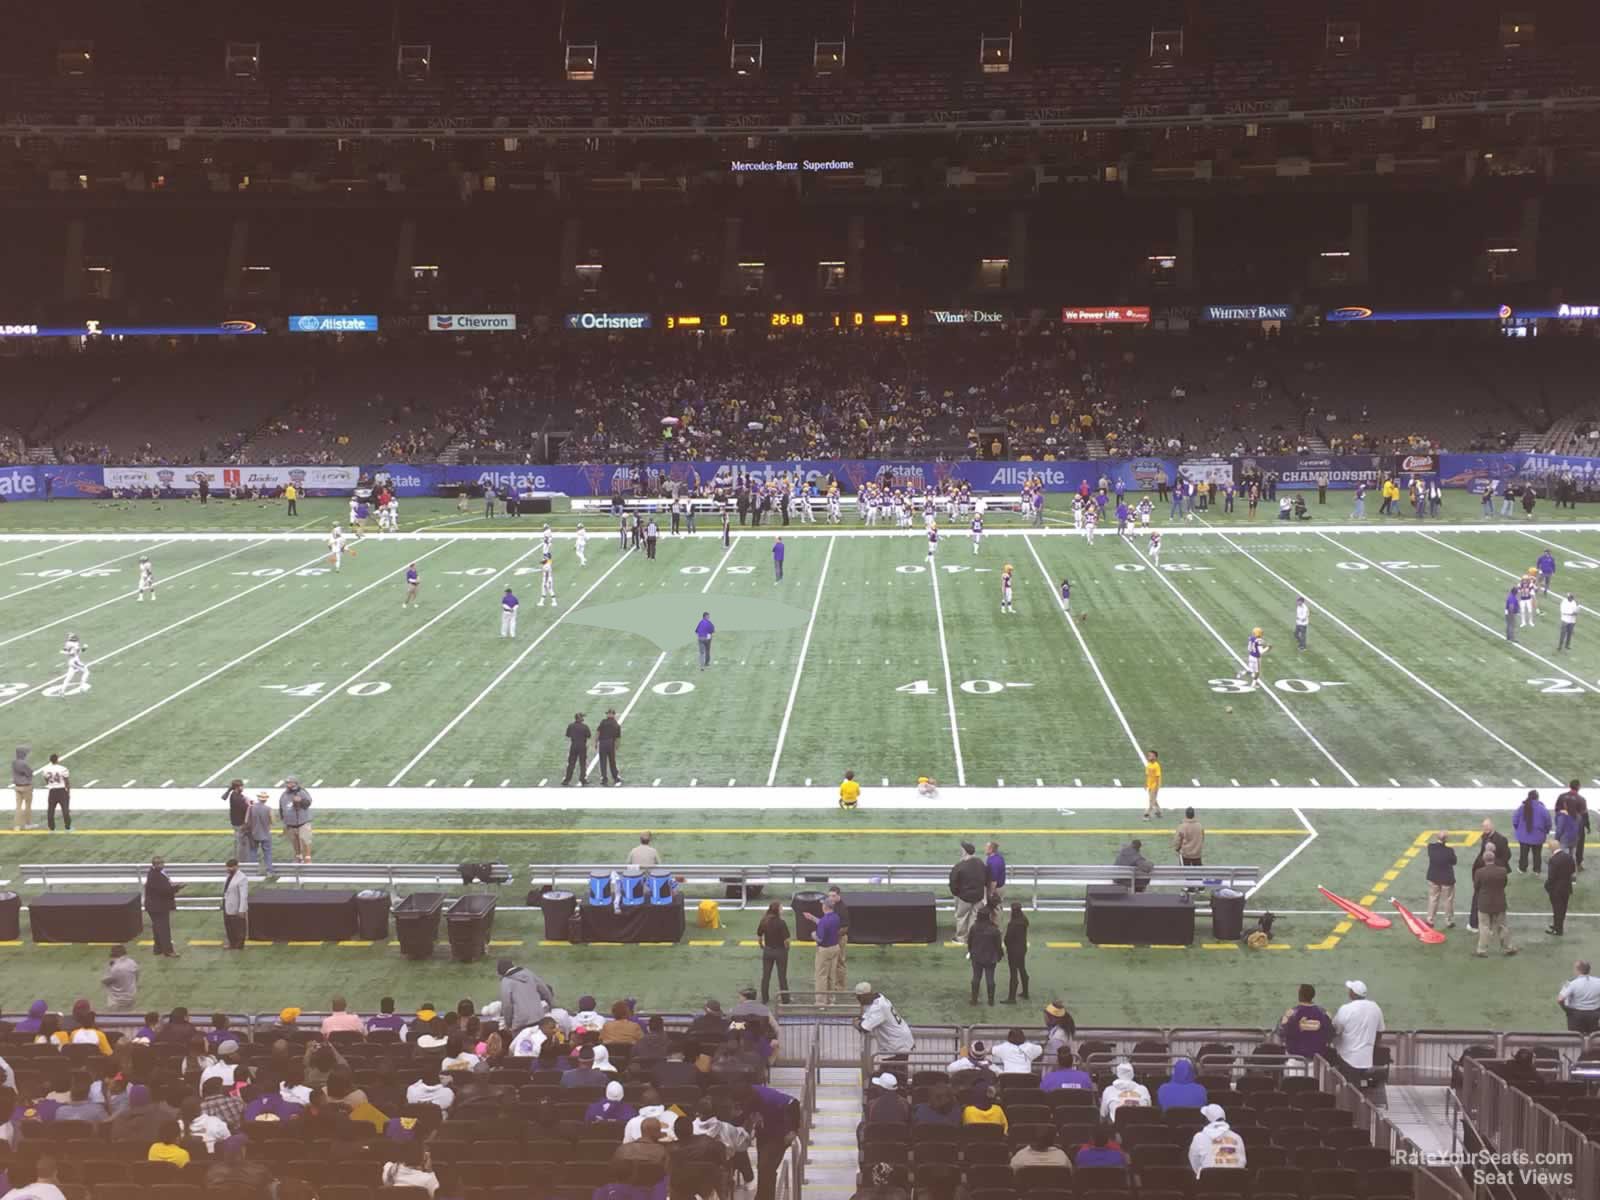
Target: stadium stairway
1422,1114
832,1162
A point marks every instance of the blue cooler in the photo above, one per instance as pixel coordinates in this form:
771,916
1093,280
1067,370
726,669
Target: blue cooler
599,887
660,887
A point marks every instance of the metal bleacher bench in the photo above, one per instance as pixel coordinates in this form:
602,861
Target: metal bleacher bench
289,874
1050,887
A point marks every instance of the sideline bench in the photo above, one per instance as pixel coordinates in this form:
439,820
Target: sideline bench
1048,887
52,876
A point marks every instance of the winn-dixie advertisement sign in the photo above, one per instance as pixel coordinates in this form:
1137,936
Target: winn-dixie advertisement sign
310,480
1344,471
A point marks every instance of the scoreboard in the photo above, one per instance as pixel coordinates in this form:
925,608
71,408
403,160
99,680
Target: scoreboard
700,322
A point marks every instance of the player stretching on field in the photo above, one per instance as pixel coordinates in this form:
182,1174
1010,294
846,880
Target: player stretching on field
1005,590
147,580
74,649
411,586
933,539
1256,647
1152,785
977,531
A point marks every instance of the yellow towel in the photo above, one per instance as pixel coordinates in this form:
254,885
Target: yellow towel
710,916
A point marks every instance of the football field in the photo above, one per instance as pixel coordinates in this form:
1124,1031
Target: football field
426,736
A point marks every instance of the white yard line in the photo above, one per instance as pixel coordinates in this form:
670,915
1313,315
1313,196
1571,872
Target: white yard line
35,554
432,525
506,672
1506,571
165,629
799,667
1311,836
233,662
77,573
733,544
355,677
16,637
639,691
1592,558
949,687
1499,635
1271,693
1396,664
1087,654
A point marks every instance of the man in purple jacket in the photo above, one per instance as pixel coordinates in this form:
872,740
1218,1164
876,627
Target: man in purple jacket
702,633
1306,1028
777,561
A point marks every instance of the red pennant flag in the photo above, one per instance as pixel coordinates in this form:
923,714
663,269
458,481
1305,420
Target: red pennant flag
1426,933
1365,915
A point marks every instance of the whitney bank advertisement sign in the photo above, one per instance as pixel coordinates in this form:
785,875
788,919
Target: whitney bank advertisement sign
1249,312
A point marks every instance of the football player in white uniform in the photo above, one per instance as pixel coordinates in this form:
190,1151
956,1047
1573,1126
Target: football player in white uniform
76,667
547,537
1155,547
147,580
582,546
337,548
547,581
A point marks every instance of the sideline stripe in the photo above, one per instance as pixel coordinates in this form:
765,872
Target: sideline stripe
1088,656
1465,616
510,667
338,688
800,666
233,662
1272,693
949,689
1396,663
707,831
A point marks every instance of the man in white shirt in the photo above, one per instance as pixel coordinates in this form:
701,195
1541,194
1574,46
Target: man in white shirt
885,1029
1356,1028
650,1106
1579,998
1569,619
45,1185
438,1094
1302,618
207,1128
1016,1054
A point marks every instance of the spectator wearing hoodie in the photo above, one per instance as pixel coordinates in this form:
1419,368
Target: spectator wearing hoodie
1530,825
1015,1055
940,1108
1132,855
121,980
22,784
1123,1092
1102,1151
1216,1146
36,1013
1181,1091
524,997
1065,1075
1568,825
1189,840
612,1108
650,1109
1306,1028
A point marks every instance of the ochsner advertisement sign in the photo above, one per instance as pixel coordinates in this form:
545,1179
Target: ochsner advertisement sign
472,322
603,320
221,478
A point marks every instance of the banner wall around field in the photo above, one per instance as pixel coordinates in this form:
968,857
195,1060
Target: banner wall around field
1475,471
312,481
1294,471
47,483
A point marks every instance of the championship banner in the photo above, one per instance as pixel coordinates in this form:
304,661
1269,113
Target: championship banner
1300,471
309,480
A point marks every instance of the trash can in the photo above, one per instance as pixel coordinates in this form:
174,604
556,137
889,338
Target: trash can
470,922
416,920
558,908
10,917
1227,915
372,915
806,902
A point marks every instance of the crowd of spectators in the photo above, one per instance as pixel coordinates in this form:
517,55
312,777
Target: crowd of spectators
576,1097
12,449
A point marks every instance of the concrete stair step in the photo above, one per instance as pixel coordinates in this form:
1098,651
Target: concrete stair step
836,1156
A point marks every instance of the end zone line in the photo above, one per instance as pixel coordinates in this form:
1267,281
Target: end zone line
800,666
17,637
510,667
1087,654
949,689
153,634
1465,616
1396,663
1496,567
1271,692
92,567
338,688
1311,836
251,653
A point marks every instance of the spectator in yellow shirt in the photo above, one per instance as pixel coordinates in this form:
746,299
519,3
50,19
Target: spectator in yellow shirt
984,1111
849,791
166,1148
291,494
1152,784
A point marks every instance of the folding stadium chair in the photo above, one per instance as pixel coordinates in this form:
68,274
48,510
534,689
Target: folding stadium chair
1333,1181
1222,1181
1043,1179
1389,1181
1159,1154
1178,1180
1101,1179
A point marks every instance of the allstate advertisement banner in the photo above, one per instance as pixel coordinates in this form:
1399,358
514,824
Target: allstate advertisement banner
310,323
311,481
1296,471
52,482
1475,471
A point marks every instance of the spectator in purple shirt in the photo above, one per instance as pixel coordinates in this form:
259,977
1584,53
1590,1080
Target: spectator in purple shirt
387,1019
30,1023
777,1116
612,1108
1513,607
777,561
1103,1151
1306,1028
702,633
1065,1075
996,863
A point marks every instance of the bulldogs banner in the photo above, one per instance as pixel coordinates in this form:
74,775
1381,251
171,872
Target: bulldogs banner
311,481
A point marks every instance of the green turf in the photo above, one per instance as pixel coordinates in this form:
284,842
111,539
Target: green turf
258,661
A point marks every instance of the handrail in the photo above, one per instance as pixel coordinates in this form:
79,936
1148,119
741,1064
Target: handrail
1523,1134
